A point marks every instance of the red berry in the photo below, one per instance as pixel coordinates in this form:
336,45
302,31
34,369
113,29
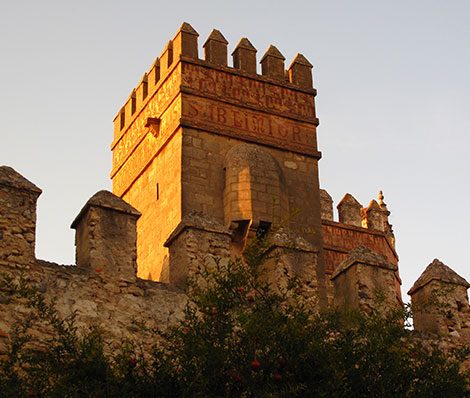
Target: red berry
241,290
277,377
132,362
255,365
251,298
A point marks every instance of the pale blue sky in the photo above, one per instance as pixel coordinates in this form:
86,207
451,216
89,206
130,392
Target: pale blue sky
393,80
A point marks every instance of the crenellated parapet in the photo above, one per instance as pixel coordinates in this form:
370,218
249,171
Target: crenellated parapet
374,217
356,226
184,48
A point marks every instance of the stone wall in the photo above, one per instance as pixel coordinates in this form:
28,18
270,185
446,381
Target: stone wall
115,305
103,289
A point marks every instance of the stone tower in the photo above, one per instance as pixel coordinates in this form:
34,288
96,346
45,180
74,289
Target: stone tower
199,135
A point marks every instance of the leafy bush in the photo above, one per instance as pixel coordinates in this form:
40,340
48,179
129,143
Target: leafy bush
240,337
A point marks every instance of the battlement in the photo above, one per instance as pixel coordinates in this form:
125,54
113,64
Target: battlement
374,217
184,47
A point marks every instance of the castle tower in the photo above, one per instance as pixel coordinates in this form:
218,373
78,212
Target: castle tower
199,135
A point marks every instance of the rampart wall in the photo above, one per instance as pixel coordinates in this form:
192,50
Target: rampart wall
103,290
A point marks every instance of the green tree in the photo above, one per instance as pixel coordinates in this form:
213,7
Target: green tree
240,337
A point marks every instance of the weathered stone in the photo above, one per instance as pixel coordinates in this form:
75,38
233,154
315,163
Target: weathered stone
93,303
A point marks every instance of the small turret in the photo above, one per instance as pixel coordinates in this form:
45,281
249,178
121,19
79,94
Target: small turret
106,236
440,301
